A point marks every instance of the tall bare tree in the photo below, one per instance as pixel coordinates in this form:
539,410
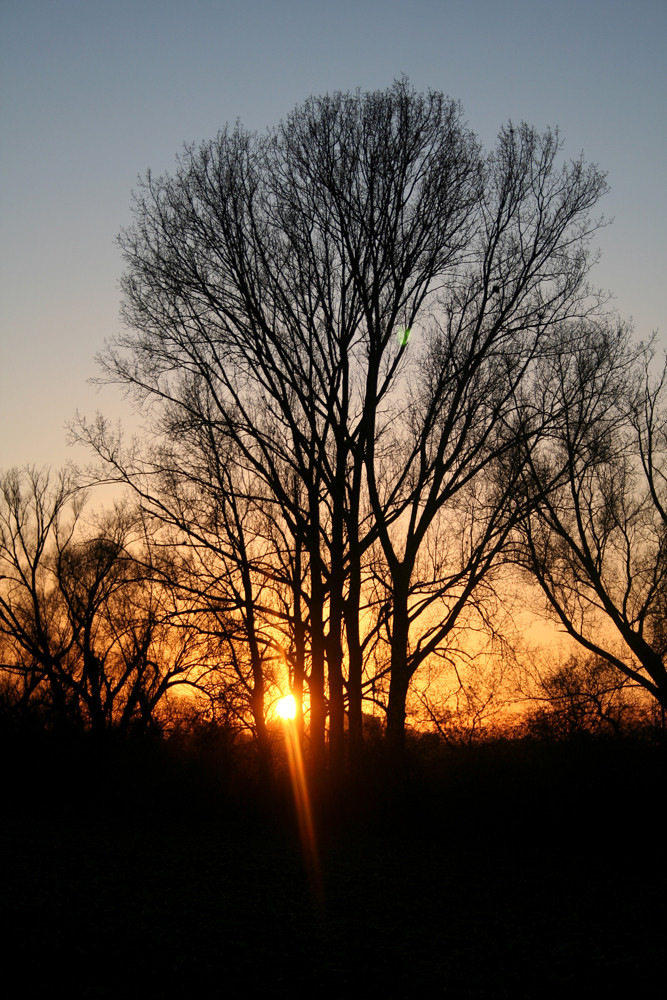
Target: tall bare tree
501,312
349,309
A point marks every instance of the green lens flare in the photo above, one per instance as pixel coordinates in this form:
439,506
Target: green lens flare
404,336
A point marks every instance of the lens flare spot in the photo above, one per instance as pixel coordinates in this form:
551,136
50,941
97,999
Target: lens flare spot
404,336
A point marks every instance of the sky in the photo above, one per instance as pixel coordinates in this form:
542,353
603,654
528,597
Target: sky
95,92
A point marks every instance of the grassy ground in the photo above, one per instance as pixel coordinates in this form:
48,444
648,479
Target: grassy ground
504,872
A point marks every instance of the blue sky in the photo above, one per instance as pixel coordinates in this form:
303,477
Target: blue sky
94,93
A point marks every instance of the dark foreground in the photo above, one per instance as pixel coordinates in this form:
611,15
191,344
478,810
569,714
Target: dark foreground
504,872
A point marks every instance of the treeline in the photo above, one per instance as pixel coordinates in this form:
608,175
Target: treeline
106,627
376,381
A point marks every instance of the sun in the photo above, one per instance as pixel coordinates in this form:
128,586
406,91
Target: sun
286,707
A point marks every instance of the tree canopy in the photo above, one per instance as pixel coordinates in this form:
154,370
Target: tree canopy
344,331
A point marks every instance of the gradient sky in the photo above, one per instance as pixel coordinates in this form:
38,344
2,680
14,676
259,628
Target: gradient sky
94,92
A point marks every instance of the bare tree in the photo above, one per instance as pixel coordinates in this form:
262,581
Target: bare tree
472,416
89,617
462,693
596,542
273,292
33,511
580,696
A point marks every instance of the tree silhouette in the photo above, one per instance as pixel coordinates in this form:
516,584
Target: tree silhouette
581,696
348,315
90,620
596,543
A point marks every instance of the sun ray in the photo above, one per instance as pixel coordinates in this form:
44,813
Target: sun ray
286,710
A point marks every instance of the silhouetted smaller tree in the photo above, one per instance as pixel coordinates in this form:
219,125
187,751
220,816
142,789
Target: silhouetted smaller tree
584,696
93,627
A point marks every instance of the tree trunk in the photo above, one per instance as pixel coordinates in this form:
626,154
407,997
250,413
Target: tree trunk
400,672
355,667
334,644
398,692
318,712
